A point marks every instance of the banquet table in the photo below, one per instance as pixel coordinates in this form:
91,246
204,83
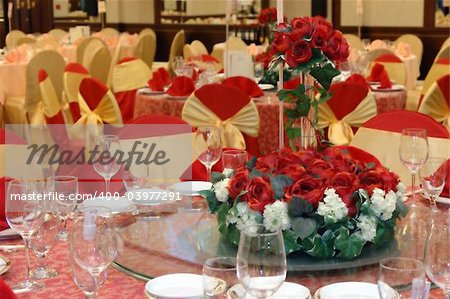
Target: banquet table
172,244
268,109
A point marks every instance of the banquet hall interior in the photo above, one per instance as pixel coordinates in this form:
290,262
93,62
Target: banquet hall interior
225,149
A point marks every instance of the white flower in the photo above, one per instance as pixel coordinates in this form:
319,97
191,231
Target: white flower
368,227
377,201
221,190
332,206
242,208
401,187
390,201
276,216
242,216
383,206
228,172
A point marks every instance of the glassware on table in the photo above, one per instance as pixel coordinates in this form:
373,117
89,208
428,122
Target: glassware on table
234,159
413,153
136,177
178,64
24,216
432,178
65,190
261,261
437,253
93,241
187,71
258,71
42,240
219,275
366,43
402,276
208,147
105,161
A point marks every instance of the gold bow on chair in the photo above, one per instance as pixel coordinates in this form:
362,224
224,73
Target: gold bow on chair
245,121
340,131
107,111
435,105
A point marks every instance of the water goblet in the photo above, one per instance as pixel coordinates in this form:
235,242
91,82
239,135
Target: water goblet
178,64
413,153
219,275
234,159
136,177
402,276
64,189
208,147
105,160
258,71
24,215
432,178
261,261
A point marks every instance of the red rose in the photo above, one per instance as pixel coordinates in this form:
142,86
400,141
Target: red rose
294,171
264,58
259,194
304,157
349,199
370,180
302,26
299,53
390,180
268,163
238,183
268,15
336,47
344,179
281,43
307,188
319,37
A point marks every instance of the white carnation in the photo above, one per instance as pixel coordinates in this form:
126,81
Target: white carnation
242,208
221,190
242,216
377,201
276,216
383,205
228,172
368,227
390,201
332,206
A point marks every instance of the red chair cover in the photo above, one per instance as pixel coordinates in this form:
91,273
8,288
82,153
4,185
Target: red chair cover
5,291
357,78
444,86
388,58
131,130
346,96
446,191
396,121
247,85
45,82
74,69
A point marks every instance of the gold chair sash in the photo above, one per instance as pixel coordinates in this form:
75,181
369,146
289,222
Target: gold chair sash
245,121
435,105
130,75
50,104
340,131
107,111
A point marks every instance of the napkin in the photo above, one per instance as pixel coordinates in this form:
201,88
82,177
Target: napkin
357,78
403,49
163,74
248,86
292,84
181,86
379,74
5,291
446,191
159,79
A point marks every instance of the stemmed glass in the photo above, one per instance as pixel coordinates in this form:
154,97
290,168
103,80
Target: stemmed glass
437,253
65,190
234,159
208,147
432,178
219,275
105,161
402,276
258,71
261,261
413,153
178,64
24,215
93,242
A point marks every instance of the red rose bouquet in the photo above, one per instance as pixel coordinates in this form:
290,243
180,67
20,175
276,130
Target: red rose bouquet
328,204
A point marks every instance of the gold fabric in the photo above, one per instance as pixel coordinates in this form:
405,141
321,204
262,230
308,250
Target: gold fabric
245,120
58,33
14,111
435,105
130,75
199,47
109,32
414,42
444,53
176,49
50,103
25,40
146,47
395,70
354,42
340,131
12,37
107,111
82,47
98,63
188,51
436,71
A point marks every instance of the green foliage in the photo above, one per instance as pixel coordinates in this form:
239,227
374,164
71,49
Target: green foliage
298,207
323,245
349,246
324,74
303,227
279,183
216,177
251,163
290,242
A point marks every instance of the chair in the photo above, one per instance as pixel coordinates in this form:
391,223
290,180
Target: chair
176,49
394,66
350,106
12,37
414,42
373,54
57,33
247,85
446,43
81,48
199,47
146,47
439,68
25,40
444,53
109,32
46,44
229,109
146,31
97,60
189,51
128,76
436,102
74,73
354,41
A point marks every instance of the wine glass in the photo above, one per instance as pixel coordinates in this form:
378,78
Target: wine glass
24,215
105,162
437,253
208,147
432,178
413,153
261,261
65,190
178,64
219,275
93,242
43,239
258,71
136,177
402,276
234,159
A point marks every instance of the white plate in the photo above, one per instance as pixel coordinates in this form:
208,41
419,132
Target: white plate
190,188
443,200
179,286
8,233
5,264
288,290
116,204
151,197
149,91
350,290
394,87
266,86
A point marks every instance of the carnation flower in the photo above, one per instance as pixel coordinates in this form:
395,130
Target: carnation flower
242,216
383,206
332,207
221,190
228,172
368,227
276,216
401,187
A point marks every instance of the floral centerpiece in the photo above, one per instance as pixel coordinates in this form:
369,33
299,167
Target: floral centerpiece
327,203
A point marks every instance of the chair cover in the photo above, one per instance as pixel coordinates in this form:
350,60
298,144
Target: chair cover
444,53
394,66
247,85
176,49
25,40
189,51
51,104
436,102
97,61
199,47
439,68
81,48
350,106
12,37
46,44
414,42
109,32
146,31
227,108
58,33
128,76
146,47
74,73
446,43
354,41
236,43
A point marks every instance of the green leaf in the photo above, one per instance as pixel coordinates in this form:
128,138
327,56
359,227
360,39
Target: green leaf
324,74
349,246
210,196
385,233
322,245
292,113
290,241
370,165
234,234
216,177
303,227
306,244
401,208
255,173
251,164
298,207
279,184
